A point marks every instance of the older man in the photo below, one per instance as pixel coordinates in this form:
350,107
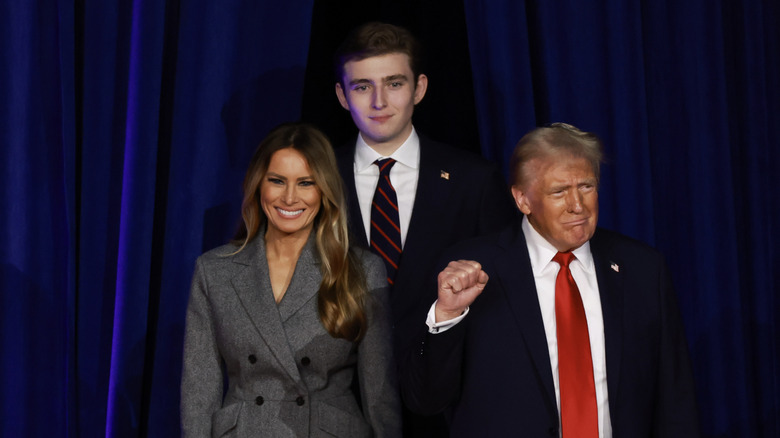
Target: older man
555,327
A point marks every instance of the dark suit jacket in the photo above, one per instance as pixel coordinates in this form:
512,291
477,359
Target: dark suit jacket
287,376
493,368
472,200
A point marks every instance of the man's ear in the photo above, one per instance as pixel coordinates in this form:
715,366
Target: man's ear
521,200
420,88
342,97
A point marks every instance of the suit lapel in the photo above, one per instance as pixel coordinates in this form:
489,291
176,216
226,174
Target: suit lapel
516,278
345,157
304,284
609,273
253,287
421,242
432,192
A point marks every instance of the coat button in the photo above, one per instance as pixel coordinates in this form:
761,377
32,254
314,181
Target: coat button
252,358
305,361
259,400
300,401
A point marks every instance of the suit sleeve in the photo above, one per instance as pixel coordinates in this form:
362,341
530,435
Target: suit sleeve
676,413
201,385
431,373
376,364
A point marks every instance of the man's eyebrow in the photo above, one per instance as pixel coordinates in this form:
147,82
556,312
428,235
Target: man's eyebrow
559,187
398,77
359,81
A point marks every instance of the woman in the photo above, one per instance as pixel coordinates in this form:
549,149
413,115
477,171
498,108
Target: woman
289,315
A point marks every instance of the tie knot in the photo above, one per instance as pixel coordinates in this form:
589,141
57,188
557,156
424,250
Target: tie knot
384,164
564,258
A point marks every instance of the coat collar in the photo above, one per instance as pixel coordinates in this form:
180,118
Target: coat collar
610,272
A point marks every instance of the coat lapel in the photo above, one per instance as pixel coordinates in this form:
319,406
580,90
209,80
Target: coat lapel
304,284
253,287
433,188
422,243
516,278
345,157
609,273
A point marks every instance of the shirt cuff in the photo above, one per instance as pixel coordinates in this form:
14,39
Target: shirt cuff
443,326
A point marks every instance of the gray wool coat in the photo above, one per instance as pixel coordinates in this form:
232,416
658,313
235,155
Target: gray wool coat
286,375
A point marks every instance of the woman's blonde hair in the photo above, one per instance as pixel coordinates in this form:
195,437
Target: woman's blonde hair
342,293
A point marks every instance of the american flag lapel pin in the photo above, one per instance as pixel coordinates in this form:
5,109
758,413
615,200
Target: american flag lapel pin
614,267
444,175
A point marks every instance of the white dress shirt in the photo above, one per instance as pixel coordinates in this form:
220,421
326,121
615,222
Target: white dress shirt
404,176
583,270
545,272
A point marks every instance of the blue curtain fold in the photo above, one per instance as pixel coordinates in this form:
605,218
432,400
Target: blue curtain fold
126,128
36,316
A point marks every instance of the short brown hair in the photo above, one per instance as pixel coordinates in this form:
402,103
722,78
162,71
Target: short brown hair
554,139
377,39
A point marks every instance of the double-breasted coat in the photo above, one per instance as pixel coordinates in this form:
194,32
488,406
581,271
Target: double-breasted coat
285,375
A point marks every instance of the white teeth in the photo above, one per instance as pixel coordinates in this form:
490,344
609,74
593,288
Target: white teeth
289,213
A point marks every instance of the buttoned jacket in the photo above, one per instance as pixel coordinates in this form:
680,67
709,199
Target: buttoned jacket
286,375
493,368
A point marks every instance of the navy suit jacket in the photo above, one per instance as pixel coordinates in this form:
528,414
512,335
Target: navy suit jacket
493,369
470,198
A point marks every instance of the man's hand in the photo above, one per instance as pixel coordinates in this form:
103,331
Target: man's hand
460,283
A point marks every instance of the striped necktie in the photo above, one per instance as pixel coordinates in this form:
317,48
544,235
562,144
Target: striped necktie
385,229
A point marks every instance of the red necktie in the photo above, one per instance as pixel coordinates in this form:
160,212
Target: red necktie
385,231
579,412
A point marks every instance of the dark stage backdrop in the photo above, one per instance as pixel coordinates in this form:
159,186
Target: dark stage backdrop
126,127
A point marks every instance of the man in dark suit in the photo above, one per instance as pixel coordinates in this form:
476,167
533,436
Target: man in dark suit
442,194
554,327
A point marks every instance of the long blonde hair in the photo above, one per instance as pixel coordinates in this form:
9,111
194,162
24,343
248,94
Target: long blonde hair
342,294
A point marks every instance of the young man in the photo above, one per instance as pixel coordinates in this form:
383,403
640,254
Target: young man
429,196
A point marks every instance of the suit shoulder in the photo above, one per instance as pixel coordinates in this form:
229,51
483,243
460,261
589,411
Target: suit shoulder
477,247
621,245
345,151
368,259
218,255
453,156
372,265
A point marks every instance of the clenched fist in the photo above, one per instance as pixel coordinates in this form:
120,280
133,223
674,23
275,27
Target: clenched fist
460,283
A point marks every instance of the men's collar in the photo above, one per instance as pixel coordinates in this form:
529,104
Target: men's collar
541,252
407,154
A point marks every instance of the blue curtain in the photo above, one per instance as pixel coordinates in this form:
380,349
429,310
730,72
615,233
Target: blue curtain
126,127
